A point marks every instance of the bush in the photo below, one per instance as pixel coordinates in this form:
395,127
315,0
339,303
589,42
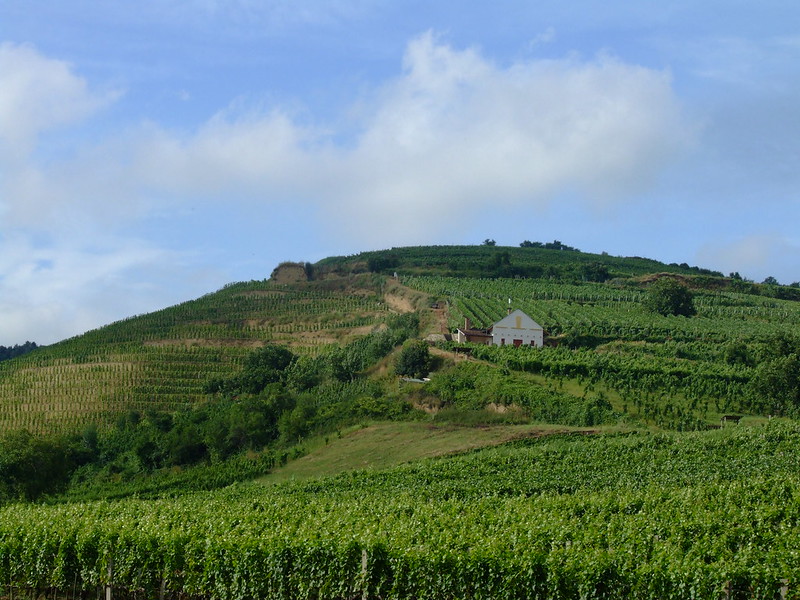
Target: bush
414,359
775,387
669,297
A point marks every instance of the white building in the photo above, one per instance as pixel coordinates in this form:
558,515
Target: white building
519,329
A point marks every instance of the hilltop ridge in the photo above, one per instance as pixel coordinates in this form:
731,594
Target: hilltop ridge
550,260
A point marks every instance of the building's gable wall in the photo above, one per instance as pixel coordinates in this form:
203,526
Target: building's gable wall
519,329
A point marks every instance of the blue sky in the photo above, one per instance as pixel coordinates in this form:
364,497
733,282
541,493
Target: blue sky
152,151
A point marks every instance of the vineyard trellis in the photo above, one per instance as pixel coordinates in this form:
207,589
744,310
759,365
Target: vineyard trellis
636,516
163,359
670,369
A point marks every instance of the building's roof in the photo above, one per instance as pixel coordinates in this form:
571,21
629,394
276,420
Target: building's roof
484,332
511,318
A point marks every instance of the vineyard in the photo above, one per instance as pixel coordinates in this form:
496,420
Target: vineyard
672,371
467,260
163,359
652,494
700,515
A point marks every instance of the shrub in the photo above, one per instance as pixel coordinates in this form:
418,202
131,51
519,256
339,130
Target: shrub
414,359
669,297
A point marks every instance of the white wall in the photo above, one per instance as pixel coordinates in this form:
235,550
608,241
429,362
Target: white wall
517,326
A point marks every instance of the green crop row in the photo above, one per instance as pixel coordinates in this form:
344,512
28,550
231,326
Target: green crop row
163,360
634,516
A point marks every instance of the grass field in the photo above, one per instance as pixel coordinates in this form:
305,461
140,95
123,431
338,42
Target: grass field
383,445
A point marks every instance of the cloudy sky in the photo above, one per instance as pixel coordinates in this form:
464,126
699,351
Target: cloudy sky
152,151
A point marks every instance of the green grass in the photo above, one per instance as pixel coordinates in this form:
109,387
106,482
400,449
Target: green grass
382,445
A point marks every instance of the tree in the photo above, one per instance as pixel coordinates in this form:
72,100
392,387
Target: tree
414,359
776,385
489,242
263,367
344,363
381,262
770,281
736,352
669,297
594,271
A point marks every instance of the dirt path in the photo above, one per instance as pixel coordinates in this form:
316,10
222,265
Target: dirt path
403,299
398,303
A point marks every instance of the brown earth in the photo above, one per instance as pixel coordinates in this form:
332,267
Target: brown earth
289,273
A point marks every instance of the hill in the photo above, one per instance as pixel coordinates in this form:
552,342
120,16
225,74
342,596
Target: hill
163,360
601,465
698,368
553,260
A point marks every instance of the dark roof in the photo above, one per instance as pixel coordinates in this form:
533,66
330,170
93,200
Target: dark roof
484,332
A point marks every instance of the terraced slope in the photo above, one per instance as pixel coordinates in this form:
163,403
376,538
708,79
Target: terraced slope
163,359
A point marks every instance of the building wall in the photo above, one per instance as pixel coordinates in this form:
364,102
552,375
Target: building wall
517,328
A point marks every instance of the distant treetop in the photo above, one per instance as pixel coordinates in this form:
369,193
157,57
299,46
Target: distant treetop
9,352
554,245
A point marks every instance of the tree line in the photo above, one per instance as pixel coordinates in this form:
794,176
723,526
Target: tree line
9,352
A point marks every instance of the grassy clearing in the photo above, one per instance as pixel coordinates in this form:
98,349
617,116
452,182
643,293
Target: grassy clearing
383,445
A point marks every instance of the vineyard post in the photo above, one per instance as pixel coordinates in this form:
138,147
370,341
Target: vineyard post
109,574
364,582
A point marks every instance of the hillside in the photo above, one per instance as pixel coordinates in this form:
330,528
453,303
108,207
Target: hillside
164,360
278,438
552,260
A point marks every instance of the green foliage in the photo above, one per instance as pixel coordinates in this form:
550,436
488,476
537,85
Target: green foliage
669,297
594,271
414,360
87,486
16,350
736,352
776,386
477,386
263,367
552,260
346,362
305,373
31,466
635,516
381,263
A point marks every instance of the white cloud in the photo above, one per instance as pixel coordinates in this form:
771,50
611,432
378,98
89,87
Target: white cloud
456,133
37,94
453,134
543,38
58,288
756,257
